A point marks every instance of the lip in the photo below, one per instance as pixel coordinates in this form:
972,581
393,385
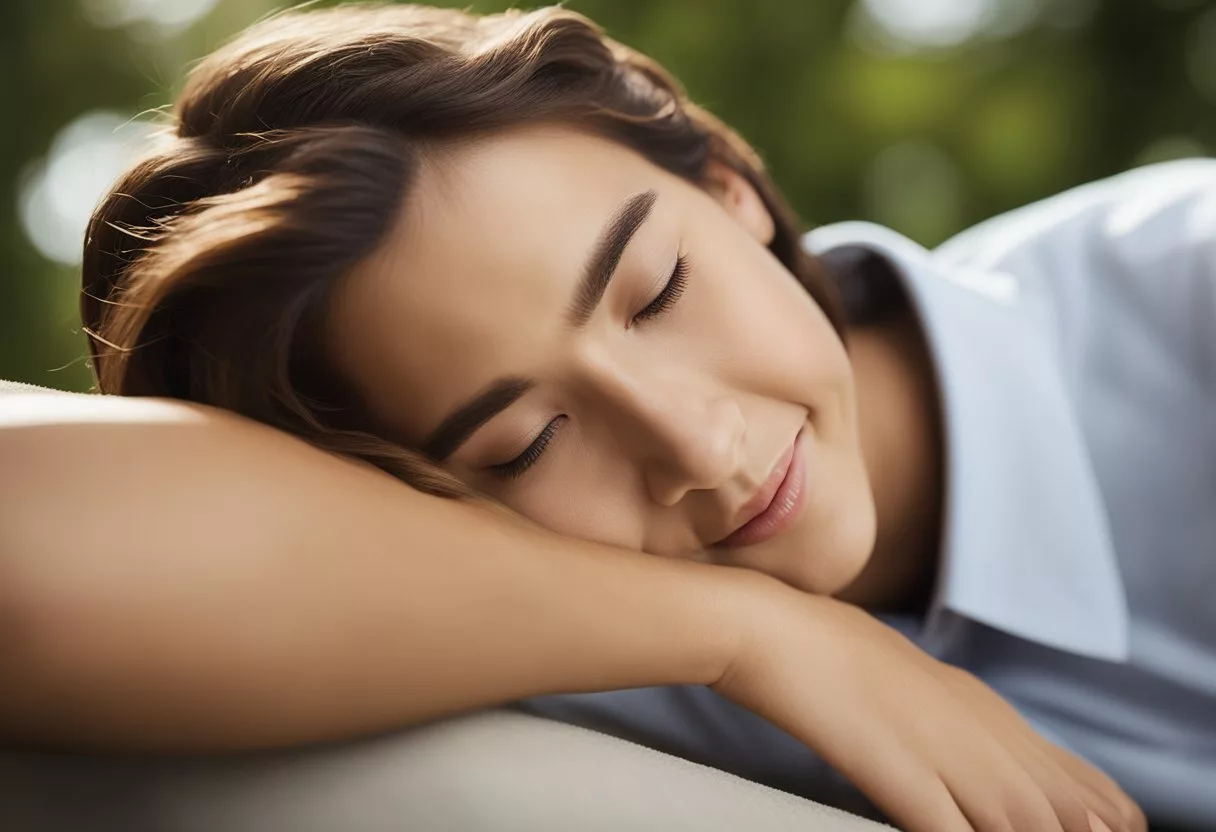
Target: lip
778,502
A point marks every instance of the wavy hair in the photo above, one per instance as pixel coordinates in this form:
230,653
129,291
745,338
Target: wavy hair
209,266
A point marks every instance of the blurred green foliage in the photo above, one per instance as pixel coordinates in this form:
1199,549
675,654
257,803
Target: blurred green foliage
926,115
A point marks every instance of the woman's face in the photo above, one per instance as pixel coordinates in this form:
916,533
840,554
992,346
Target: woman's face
614,353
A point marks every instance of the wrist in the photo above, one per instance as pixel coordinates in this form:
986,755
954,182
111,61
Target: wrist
763,612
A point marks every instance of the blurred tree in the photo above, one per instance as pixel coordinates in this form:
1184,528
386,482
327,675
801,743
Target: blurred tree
926,115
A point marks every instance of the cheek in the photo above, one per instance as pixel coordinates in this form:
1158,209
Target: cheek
767,333
585,495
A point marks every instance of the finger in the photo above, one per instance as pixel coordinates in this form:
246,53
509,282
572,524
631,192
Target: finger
911,795
1125,812
1070,788
1101,805
1071,801
1067,778
1071,797
937,810
993,782
1018,803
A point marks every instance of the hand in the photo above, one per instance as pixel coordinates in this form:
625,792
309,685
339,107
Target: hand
931,745
1100,793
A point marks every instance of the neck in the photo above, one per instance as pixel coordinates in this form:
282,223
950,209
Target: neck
901,439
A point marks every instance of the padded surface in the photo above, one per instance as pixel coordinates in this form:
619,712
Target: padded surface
21,387
493,771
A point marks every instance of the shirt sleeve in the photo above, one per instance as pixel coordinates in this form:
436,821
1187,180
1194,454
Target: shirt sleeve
1140,245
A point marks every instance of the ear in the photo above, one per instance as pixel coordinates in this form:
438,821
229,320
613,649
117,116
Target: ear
737,196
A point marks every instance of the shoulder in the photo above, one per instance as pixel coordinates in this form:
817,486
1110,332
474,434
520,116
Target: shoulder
1131,258
1140,214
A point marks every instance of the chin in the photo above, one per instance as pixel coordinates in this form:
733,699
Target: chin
838,553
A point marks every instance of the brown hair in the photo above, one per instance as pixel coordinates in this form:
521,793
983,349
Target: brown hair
208,267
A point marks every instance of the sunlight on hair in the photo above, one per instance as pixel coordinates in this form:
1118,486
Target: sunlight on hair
164,16
58,193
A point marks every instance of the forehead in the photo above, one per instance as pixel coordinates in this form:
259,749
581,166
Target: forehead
474,280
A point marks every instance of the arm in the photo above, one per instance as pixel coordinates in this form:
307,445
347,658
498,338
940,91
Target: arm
172,577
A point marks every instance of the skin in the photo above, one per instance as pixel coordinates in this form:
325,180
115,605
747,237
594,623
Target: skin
273,559
279,595
671,422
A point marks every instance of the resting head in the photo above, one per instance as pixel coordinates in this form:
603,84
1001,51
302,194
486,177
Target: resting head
500,258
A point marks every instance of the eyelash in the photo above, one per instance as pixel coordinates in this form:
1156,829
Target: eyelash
670,294
516,467
666,298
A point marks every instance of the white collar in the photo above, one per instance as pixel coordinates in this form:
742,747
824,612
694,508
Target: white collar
1026,541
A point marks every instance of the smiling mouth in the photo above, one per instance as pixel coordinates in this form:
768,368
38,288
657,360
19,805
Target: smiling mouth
778,503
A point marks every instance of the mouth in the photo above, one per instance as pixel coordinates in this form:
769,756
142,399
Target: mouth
778,503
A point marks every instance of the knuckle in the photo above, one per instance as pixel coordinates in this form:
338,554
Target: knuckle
1071,811
1133,814
1032,808
965,676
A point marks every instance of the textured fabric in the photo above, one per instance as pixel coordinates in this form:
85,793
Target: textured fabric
13,387
494,771
1074,342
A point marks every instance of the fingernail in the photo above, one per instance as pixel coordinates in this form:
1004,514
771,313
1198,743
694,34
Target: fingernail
1096,824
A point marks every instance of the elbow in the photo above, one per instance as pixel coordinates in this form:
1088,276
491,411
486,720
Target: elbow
50,666
22,620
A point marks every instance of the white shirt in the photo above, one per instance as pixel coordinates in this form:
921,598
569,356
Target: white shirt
1074,342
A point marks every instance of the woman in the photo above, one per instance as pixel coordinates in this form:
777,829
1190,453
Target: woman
504,259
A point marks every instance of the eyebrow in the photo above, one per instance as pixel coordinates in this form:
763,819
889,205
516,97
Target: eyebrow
601,267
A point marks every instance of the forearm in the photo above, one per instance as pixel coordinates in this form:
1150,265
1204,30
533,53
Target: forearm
184,580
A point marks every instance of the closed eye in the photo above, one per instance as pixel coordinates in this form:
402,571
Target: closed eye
663,301
517,466
670,293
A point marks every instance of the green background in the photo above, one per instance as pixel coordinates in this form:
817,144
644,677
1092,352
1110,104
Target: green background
925,122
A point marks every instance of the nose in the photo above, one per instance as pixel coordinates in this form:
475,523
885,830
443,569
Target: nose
688,435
